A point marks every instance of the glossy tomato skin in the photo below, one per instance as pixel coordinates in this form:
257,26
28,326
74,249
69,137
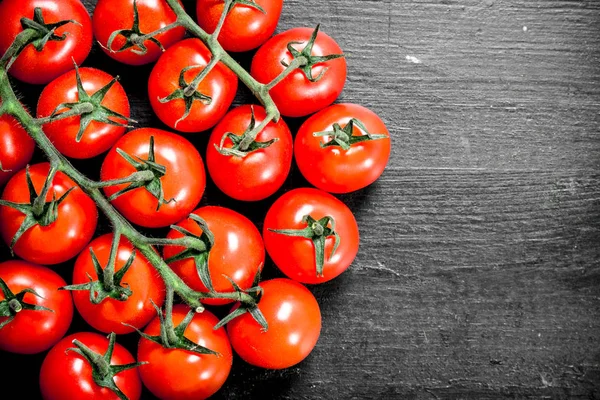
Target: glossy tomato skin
220,84
66,236
295,256
180,374
67,375
260,173
98,137
238,251
294,319
295,95
34,331
57,57
334,169
115,15
245,27
143,280
16,147
184,180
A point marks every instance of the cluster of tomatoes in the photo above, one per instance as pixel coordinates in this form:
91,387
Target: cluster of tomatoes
155,178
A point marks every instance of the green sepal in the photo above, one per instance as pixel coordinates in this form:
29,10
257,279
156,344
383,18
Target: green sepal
4,170
345,138
12,303
249,3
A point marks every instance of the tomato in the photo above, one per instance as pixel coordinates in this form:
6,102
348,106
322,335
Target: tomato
298,256
60,240
57,55
182,185
259,173
246,27
118,15
294,319
141,278
181,374
197,112
238,251
333,168
296,95
65,374
16,148
33,331
98,136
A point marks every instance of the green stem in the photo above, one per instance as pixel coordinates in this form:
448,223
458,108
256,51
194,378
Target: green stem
79,109
149,35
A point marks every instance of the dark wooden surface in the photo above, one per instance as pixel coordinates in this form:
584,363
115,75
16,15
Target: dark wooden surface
478,274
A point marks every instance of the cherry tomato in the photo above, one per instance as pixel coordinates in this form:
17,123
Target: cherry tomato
33,331
294,319
181,374
118,15
59,241
57,56
332,168
66,374
16,147
295,255
261,172
246,27
183,182
141,278
98,136
238,251
296,95
218,87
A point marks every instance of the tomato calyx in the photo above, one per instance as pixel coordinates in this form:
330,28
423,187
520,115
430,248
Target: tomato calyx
344,137
307,60
245,143
316,231
103,372
14,304
247,305
249,3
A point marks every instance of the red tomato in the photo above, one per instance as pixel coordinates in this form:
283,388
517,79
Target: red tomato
295,255
246,27
141,278
57,56
220,84
181,374
183,183
259,173
332,168
66,374
118,15
34,331
66,236
16,147
294,319
296,95
98,137
238,251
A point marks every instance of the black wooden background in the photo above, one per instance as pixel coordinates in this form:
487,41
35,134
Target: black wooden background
478,274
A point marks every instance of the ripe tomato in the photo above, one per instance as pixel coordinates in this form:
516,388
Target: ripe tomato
62,239
220,85
98,136
333,168
181,374
294,319
238,251
297,256
261,172
141,278
182,184
34,331
296,95
118,15
66,374
57,56
16,147
246,27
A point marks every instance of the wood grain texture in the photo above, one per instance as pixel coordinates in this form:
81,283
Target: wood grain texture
479,269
